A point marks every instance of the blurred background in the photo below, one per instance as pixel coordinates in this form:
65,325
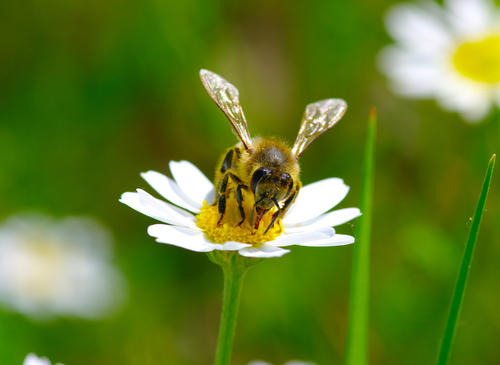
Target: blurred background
93,93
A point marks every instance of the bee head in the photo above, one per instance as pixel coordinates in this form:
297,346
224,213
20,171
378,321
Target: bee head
270,187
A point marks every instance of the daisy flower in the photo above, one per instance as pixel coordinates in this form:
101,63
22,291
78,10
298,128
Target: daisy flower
57,268
32,359
450,53
192,223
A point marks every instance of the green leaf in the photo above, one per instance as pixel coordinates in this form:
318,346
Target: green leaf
357,335
456,302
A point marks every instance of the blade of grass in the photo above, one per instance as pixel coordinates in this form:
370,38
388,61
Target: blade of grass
357,335
456,302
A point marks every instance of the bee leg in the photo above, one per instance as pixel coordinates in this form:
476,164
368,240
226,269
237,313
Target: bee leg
227,162
222,208
239,195
281,210
292,197
221,200
236,179
223,191
239,199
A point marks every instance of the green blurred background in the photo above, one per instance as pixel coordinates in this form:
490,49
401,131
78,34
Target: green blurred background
93,93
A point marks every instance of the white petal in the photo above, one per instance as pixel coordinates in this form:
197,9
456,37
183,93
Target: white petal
497,97
412,74
337,240
301,237
263,250
170,190
331,219
190,239
469,17
470,99
230,246
32,359
157,209
315,199
419,27
209,198
474,113
191,180
181,237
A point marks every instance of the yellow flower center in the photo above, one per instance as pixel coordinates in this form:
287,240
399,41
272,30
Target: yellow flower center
229,228
479,60
38,269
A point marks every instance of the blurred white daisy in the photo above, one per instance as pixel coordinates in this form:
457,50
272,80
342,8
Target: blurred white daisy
57,268
194,227
449,53
291,362
32,359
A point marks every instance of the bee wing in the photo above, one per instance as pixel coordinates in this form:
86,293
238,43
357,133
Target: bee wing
318,117
226,96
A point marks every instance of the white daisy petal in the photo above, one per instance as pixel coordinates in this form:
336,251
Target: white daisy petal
191,180
474,112
263,251
419,27
230,246
413,75
301,237
167,188
181,237
190,239
157,209
464,96
497,97
469,17
32,359
336,240
210,197
331,219
315,199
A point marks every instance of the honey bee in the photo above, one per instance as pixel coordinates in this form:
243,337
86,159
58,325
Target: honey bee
266,167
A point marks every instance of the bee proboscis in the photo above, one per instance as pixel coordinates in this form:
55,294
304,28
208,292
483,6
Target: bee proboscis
266,167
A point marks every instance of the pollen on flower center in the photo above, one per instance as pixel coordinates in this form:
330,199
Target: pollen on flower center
229,230
479,60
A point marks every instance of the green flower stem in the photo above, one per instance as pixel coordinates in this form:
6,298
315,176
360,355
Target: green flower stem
357,334
233,280
456,302
234,268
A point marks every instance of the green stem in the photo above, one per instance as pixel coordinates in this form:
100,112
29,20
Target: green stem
357,334
234,272
458,294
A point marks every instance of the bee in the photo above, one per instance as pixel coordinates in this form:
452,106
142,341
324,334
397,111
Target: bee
265,167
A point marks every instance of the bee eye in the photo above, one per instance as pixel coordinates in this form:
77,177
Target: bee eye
258,175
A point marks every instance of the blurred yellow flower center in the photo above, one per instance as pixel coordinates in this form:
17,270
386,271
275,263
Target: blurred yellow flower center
229,230
40,265
479,60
